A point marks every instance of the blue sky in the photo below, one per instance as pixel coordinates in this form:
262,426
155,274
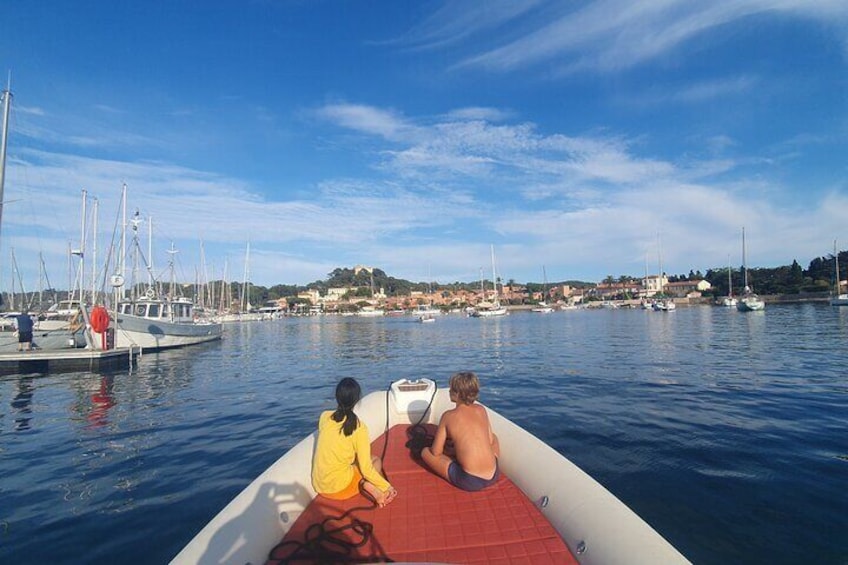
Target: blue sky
585,137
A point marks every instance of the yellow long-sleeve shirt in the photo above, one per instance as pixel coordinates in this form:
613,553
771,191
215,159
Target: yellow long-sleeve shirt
336,453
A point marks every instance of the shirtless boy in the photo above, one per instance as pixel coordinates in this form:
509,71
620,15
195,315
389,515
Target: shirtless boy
467,426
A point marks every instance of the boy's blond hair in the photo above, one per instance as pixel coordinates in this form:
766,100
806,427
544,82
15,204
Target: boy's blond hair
465,386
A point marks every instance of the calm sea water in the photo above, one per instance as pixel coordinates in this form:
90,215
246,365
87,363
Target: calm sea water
727,432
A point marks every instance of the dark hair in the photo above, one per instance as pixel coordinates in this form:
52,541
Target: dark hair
347,395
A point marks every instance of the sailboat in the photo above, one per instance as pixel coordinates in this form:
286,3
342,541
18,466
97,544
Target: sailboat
543,307
749,301
663,304
494,309
69,332
838,298
729,301
428,312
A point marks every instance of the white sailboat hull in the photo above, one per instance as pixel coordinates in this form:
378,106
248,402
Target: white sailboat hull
493,313
161,334
750,304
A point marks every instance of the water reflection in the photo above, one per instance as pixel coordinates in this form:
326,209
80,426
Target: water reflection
101,402
22,402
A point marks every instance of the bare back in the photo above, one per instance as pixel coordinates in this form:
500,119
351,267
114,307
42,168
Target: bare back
468,427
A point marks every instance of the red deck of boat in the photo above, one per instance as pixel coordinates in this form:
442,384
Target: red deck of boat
432,521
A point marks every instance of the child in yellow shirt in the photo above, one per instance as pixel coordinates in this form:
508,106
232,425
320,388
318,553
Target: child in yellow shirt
343,452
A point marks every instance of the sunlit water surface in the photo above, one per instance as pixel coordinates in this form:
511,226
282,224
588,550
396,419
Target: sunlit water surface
727,432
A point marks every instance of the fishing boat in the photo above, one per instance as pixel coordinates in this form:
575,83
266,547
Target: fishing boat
153,320
543,509
749,301
839,298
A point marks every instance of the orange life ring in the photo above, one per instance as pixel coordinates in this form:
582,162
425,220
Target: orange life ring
99,319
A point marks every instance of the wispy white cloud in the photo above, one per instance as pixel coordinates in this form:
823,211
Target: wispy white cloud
367,119
479,113
456,21
605,35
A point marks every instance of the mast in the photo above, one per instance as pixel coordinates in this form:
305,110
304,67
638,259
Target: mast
245,295
729,279
81,251
14,273
172,288
7,104
482,287
836,266
135,282
150,278
497,301
744,263
94,252
659,259
123,261
203,280
40,281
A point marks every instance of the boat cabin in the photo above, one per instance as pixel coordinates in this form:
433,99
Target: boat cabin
176,310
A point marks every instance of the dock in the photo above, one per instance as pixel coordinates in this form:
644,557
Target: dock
66,360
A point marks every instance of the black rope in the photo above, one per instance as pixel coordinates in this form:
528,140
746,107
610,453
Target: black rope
419,437
323,543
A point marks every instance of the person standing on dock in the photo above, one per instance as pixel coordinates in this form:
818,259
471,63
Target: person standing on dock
24,323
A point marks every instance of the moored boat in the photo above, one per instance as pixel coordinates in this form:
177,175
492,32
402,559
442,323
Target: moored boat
489,312
729,301
839,298
749,301
542,308
492,309
543,509
665,305
155,323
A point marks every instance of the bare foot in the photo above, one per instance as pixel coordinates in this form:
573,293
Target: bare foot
388,496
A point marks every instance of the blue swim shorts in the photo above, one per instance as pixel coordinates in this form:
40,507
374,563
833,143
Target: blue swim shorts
460,479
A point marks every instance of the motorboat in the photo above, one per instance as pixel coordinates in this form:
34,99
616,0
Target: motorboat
543,508
542,308
160,322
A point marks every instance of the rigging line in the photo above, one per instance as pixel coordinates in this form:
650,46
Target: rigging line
109,253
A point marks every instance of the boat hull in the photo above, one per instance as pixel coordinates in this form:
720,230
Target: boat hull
596,526
153,335
841,300
750,305
493,313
